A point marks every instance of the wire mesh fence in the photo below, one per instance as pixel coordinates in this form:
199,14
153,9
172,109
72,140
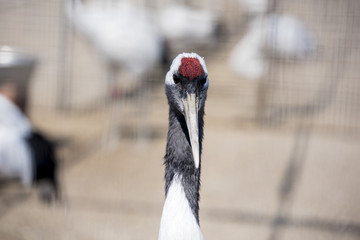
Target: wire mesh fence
287,181
322,89
33,27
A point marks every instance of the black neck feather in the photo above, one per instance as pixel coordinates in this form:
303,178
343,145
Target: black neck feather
179,159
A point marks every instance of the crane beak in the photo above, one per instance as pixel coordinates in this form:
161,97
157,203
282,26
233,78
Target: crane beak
191,118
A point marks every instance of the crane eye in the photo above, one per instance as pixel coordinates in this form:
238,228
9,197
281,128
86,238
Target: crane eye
203,80
176,79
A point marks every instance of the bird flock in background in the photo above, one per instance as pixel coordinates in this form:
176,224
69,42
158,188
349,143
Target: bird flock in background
136,39
133,36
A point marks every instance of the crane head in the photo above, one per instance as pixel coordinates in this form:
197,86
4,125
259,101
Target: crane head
186,86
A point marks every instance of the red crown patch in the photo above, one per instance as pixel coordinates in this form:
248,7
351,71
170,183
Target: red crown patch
191,68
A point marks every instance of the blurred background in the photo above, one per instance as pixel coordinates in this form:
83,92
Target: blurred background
282,128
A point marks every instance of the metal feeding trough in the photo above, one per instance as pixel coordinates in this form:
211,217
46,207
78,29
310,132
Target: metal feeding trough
15,70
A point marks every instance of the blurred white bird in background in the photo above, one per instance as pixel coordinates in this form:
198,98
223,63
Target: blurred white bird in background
288,38
15,154
246,58
187,27
273,35
121,32
255,6
125,37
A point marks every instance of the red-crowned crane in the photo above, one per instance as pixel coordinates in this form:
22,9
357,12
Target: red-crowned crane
186,86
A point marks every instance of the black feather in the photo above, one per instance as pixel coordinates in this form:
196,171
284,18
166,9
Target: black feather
44,160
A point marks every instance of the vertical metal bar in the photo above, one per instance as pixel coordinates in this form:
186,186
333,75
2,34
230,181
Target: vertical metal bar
64,74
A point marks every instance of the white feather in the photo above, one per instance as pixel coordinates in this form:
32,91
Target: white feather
255,6
120,32
178,221
183,23
280,35
246,59
287,37
15,156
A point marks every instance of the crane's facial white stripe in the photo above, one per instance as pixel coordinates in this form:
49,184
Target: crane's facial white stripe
176,64
177,220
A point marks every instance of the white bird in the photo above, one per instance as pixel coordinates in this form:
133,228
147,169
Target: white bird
255,6
273,35
125,37
15,154
186,25
26,154
288,38
246,59
121,32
